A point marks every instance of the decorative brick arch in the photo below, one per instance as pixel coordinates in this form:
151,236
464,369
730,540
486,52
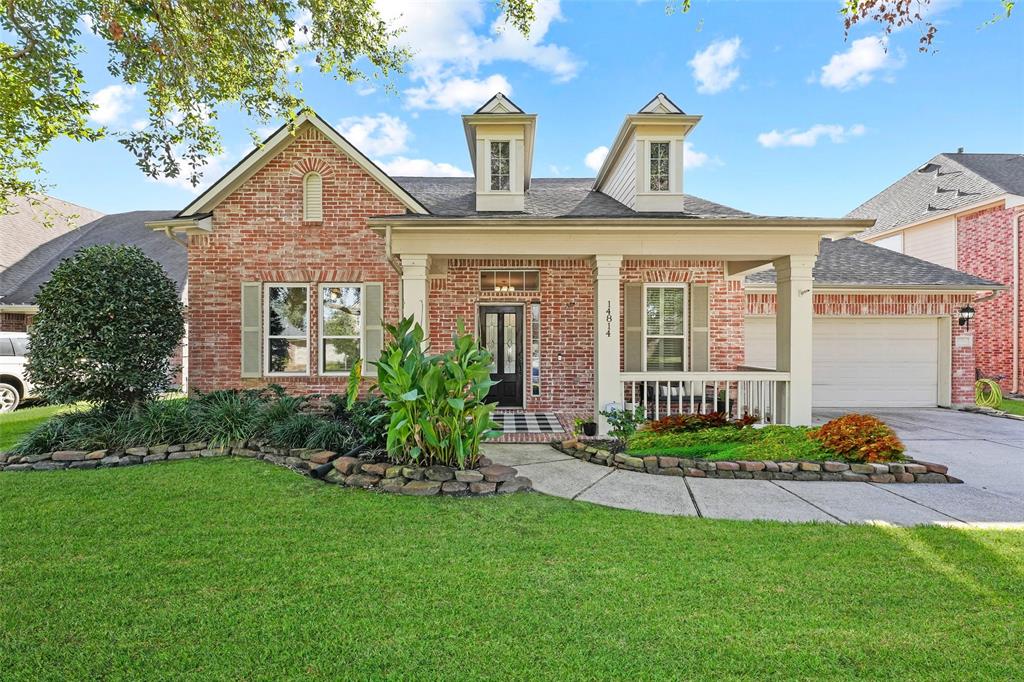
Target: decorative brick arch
311,165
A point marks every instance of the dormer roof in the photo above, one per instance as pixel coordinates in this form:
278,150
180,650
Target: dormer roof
499,104
661,104
500,110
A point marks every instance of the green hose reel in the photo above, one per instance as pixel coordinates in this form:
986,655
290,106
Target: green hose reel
987,393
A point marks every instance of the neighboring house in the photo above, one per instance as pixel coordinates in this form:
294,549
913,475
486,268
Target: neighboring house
26,233
20,282
589,292
965,211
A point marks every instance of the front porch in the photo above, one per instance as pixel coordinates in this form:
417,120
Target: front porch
656,325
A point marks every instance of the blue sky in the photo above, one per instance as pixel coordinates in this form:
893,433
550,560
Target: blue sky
795,120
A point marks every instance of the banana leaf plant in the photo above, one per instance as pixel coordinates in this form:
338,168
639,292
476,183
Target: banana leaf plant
437,409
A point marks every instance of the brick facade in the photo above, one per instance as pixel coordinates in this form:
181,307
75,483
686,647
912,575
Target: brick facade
985,248
15,322
896,305
260,236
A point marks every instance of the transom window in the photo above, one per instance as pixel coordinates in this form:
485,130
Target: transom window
341,327
501,168
665,328
509,280
287,328
660,152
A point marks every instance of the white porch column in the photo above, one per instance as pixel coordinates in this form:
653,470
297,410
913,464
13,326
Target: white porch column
794,332
414,288
607,343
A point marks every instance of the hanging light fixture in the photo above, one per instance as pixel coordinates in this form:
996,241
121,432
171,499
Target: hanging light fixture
966,315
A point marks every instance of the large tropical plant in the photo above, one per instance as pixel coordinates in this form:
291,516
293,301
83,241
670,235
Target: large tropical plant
437,409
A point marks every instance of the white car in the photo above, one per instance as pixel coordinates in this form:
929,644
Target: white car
14,387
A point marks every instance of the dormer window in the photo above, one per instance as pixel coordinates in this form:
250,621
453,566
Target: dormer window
501,167
659,166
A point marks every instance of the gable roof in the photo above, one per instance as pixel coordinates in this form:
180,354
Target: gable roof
279,139
499,104
24,231
20,283
851,263
660,104
546,198
948,182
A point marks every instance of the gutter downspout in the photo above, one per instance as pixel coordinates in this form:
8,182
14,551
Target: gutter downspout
170,235
395,263
1017,226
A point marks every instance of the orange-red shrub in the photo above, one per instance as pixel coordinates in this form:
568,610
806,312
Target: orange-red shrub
860,438
685,423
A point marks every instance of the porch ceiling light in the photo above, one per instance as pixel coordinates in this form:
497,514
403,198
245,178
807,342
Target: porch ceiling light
966,315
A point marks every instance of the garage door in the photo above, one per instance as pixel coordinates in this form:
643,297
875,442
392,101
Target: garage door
862,362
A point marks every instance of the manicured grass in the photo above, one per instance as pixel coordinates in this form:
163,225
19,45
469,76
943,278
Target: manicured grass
14,425
234,569
1012,406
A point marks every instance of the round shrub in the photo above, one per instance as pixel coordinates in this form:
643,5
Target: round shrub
860,438
109,319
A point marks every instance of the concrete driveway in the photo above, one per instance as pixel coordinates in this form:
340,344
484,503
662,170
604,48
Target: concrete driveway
986,452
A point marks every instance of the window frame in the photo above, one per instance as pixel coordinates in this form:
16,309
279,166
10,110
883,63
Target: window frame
685,336
511,165
480,278
266,329
650,160
321,337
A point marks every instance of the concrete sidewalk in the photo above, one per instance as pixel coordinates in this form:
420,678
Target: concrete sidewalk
558,474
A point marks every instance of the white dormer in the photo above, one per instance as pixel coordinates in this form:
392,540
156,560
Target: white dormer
500,137
644,168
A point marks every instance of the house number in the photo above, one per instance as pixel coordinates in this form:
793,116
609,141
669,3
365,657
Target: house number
608,319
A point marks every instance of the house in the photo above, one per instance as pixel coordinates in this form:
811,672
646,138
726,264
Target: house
27,232
965,211
619,289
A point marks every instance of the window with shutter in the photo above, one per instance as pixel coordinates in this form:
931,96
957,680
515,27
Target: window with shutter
373,316
312,197
251,325
341,327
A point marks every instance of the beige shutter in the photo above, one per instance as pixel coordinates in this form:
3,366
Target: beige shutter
313,197
373,315
252,335
699,328
634,327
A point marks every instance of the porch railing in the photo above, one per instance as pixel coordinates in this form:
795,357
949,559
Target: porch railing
763,394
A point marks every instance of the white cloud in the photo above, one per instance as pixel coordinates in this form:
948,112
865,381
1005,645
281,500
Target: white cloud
456,93
422,167
451,42
366,90
380,135
695,159
859,65
714,68
595,157
111,103
808,138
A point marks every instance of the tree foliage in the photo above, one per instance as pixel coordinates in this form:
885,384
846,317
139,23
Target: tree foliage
896,14
189,57
109,319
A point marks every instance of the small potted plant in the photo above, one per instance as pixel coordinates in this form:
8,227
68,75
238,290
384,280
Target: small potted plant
588,427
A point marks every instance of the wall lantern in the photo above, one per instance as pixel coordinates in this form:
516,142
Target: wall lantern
966,315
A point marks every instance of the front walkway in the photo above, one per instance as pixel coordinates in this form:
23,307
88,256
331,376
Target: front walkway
944,436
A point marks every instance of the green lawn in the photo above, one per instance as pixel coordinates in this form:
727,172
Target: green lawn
14,425
234,569
1012,406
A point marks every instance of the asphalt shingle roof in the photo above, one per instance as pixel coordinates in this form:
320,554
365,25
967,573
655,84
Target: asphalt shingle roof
25,234
946,182
21,281
546,198
850,263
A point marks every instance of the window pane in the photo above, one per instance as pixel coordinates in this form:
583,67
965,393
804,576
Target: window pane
20,345
340,354
531,280
342,311
510,343
6,348
487,280
287,311
659,166
665,311
535,349
665,355
288,355
500,166
491,333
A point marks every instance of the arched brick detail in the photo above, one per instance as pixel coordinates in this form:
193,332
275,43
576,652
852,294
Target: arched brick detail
312,165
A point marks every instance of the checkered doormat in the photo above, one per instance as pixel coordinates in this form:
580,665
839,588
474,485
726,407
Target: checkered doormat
528,422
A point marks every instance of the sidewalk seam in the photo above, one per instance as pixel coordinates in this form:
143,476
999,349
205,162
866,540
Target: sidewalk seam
610,472
806,501
903,497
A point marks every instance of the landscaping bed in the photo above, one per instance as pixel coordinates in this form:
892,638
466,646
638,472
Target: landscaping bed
856,448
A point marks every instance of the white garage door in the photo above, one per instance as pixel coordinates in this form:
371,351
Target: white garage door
862,362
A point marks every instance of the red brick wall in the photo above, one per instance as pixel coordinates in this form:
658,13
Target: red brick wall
847,305
566,300
15,322
985,249
259,235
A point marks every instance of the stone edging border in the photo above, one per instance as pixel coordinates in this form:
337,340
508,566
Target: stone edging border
356,472
910,471
991,412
